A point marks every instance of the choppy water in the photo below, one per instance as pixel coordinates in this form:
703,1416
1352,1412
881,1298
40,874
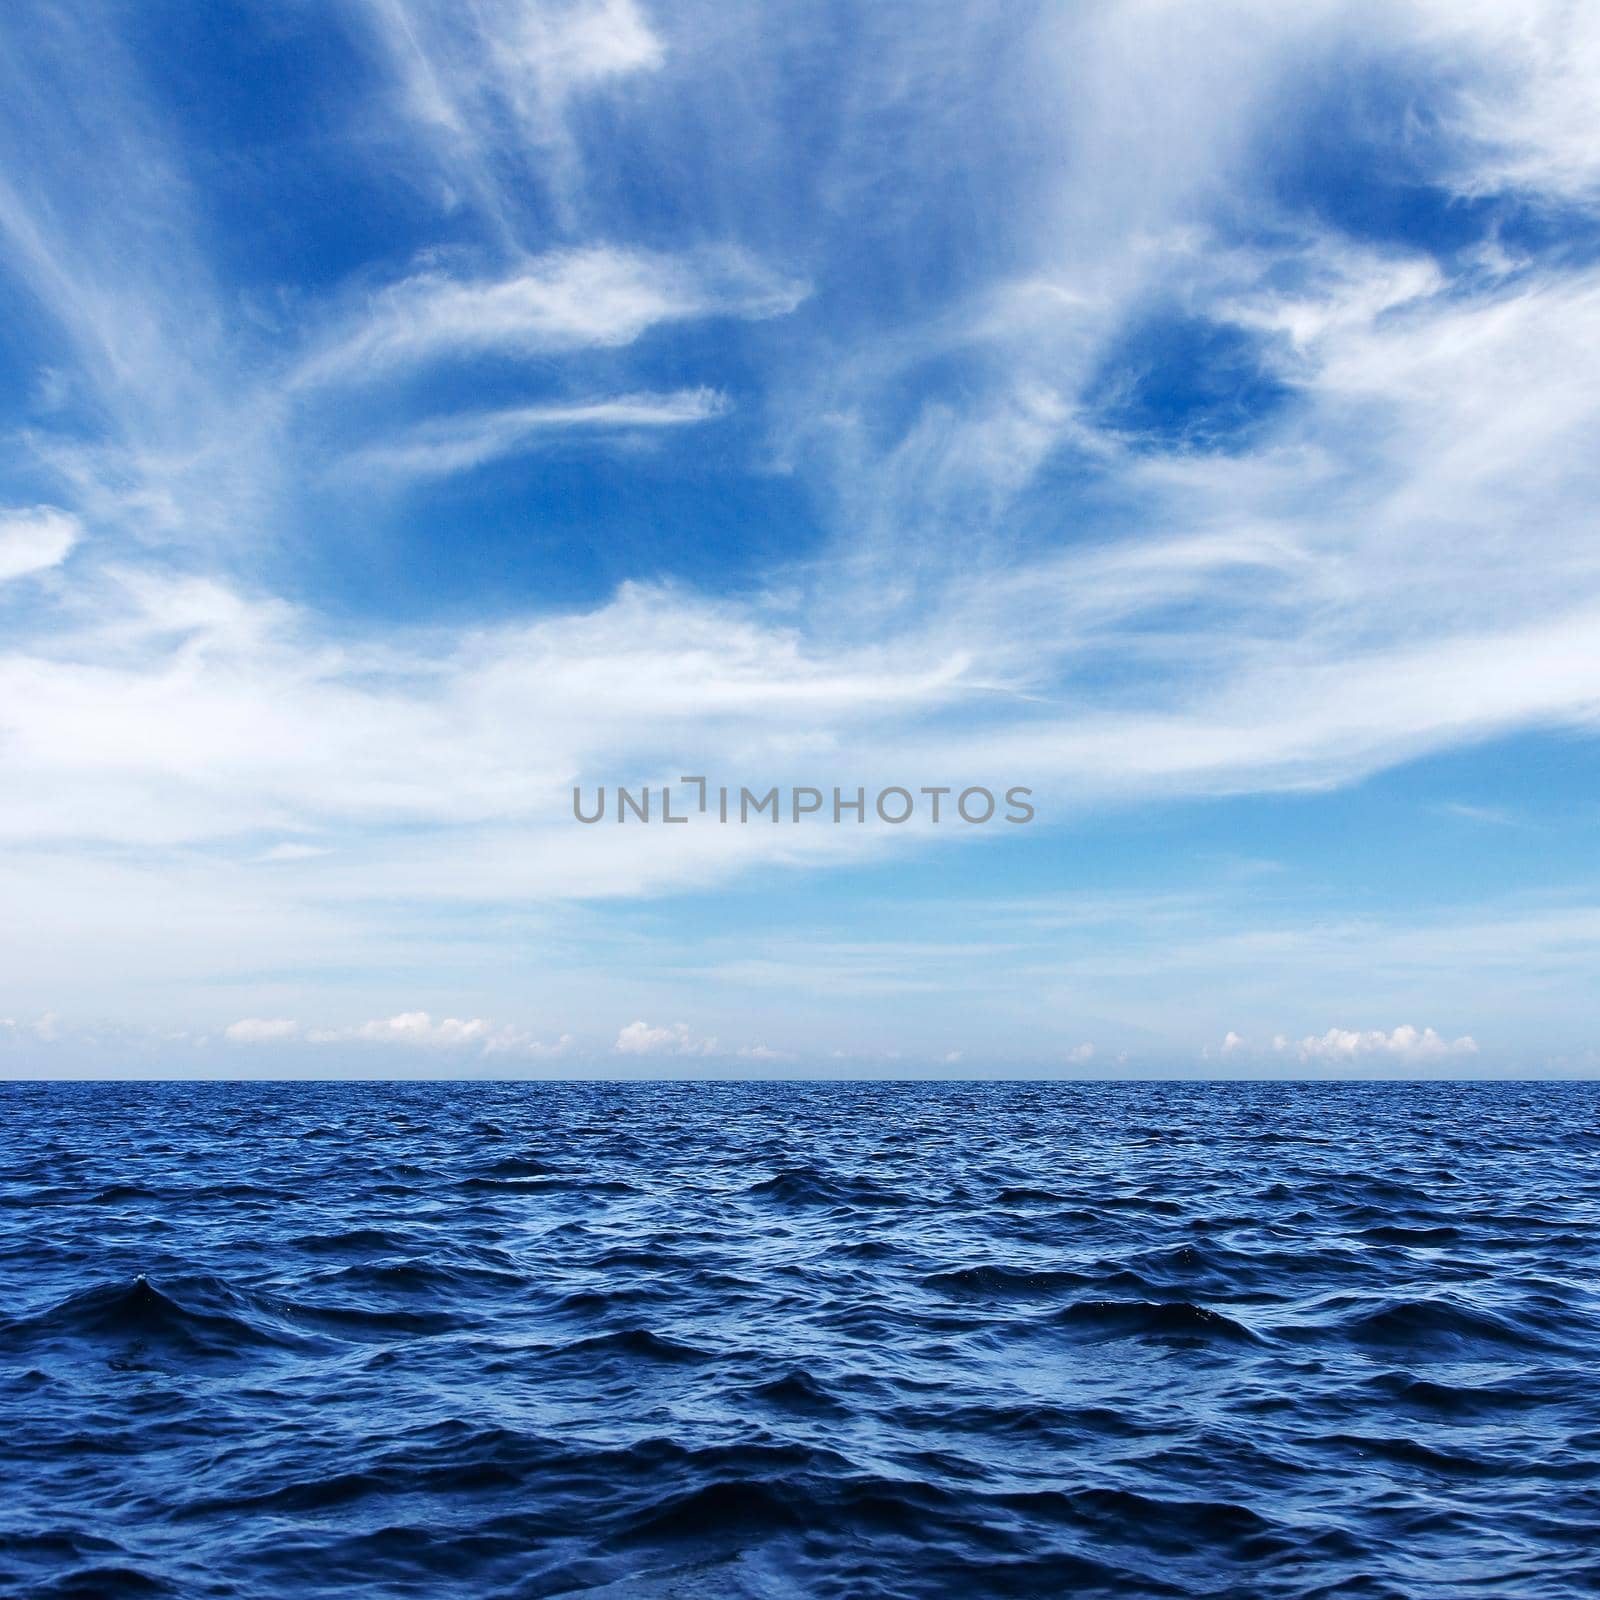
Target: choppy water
523,1340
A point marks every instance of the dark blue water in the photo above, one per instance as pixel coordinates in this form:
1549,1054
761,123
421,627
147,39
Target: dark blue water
843,1340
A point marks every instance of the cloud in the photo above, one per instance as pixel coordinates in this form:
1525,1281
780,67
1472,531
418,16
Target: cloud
411,1028
1405,1043
1396,473
515,1042
201,713
147,418
1012,561
418,1030
579,44
640,1039
462,442
1080,1053
487,92
1493,816
1527,119
596,297
1346,1046
290,850
35,540
261,1030
46,1029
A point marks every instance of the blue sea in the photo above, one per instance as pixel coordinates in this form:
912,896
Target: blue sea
718,1340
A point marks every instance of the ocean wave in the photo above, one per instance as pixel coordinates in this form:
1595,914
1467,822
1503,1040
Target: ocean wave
1158,1318
211,1321
884,1342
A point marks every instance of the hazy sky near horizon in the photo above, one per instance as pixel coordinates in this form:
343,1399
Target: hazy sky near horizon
416,408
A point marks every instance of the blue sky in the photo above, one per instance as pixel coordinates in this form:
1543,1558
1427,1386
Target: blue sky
412,410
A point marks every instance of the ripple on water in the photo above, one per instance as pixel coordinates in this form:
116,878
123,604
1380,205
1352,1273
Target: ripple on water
500,1340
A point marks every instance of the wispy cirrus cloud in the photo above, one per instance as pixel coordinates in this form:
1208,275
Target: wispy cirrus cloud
485,91
170,404
568,300
461,442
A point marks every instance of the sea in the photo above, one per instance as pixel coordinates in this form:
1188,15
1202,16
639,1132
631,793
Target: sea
288,1341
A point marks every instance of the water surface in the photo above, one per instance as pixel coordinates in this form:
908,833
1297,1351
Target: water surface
493,1340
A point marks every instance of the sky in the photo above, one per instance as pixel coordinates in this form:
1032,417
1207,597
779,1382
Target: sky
414,410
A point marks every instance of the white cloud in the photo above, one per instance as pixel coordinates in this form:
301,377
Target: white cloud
183,711
487,89
640,1039
411,1028
1405,1042
260,1030
1492,816
99,226
516,1042
567,46
598,297
289,850
1344,288
1080,1053
46,1029
35,540
418,1030
1528,116
1400,562
462,442
1401,475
